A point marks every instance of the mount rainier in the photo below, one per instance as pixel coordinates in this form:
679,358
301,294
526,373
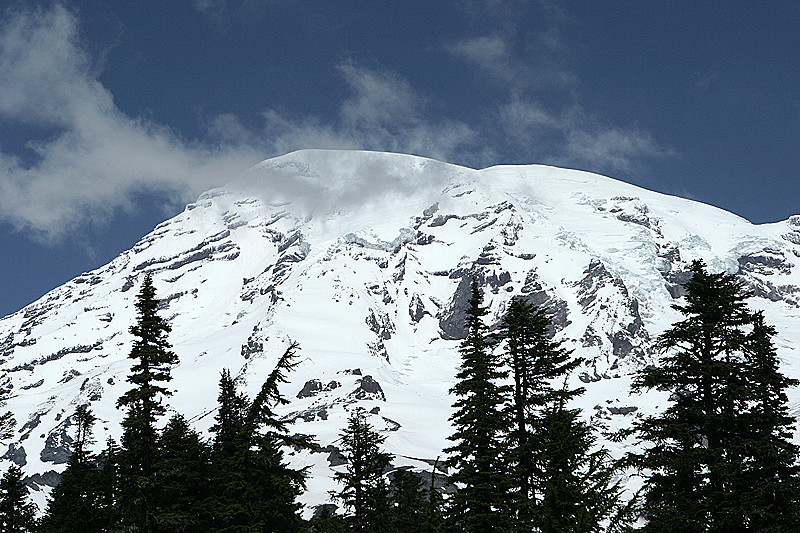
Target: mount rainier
365,259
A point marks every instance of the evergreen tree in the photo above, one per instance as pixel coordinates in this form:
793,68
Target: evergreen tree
364,488
727,425
434,510
535,361
77,503
480,423
575,481
183,474
17,512
771,481
409,501
153,359
256,490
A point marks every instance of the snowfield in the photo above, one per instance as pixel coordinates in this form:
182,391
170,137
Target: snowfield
365,259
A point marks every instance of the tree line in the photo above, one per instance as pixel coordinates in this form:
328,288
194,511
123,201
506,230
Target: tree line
719,458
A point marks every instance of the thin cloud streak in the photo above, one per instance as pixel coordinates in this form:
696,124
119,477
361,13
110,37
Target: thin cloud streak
99,159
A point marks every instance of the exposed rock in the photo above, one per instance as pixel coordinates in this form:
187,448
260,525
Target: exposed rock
416,309
313,387
452,319
392,425
368,389
622,410
58,445
599,291
324,510
16,455
335,457
37,481
556,309
380,324
253,345
766,262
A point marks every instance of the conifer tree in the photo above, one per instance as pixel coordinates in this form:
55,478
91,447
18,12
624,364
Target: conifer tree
434,509
480,424
727,426
771,482
17,512
153,359
409,501
535,361
256,489
575,482
77,503
364,489
183,475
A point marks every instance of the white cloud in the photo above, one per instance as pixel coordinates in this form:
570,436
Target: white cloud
560,133
575,138
493,56
382,112
99,157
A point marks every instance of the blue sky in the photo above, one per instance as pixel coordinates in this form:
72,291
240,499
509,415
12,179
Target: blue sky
114,114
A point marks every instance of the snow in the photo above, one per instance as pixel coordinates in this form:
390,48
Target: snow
330,248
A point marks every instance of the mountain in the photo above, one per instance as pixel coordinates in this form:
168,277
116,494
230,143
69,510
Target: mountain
366,258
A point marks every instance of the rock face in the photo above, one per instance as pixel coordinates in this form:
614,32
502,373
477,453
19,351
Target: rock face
371,273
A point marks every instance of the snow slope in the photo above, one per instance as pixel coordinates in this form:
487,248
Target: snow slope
365,258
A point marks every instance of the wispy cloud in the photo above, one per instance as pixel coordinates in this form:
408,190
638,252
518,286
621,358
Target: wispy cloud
99,158
381,112
540,114
572,137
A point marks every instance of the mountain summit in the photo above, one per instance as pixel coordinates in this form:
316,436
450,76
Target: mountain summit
366,259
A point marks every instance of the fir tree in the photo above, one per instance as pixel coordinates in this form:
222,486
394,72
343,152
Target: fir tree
364,489
770,483
153,359
77,503
727,426
575,482
535,361
480,424
434,509
256,490
17,512
183,474
409,502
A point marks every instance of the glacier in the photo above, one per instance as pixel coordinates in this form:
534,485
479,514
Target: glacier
365,259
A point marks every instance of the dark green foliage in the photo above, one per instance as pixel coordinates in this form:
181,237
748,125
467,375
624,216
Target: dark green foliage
409,502
254,490
535,362
17,512
559,482
364,492
770,485
434,508
183,472
79,502
575,481
725,434
153,358
480,423
325,520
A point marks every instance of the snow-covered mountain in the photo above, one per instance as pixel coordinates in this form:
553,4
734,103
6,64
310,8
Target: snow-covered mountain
365,258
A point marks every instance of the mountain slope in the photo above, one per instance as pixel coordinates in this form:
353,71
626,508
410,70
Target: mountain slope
365,258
